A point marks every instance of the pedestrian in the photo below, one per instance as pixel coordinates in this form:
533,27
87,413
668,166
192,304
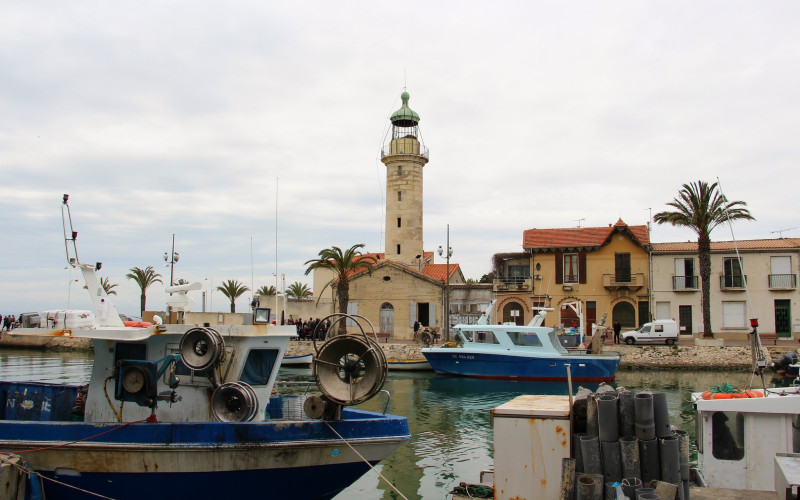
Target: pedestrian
617,329
416,329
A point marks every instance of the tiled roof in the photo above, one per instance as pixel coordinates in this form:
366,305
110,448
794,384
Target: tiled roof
729,246
576,237
439,271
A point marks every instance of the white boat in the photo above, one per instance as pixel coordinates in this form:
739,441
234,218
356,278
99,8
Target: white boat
299,361
180,411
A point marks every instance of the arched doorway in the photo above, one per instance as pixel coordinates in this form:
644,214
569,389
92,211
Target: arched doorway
513,312
625,313
387,319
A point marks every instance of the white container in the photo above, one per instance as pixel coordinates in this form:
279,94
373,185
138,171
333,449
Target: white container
531,437
66,319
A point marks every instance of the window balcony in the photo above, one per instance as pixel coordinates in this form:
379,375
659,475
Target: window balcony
732,282
782,281
685,283
632,281
513,284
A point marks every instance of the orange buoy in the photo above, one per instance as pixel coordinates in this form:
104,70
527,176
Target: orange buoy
731,395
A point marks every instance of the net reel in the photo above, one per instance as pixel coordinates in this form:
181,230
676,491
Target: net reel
202,348
349,369
234,402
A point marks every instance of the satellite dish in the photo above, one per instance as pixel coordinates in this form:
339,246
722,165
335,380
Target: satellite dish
234,402
350,369
202,348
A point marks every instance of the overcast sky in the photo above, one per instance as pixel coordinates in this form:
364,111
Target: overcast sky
191,117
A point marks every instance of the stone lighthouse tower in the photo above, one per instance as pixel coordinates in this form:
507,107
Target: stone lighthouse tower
404,158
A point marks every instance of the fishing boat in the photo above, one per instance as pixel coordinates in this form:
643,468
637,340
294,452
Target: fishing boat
299,361
408,364
181,410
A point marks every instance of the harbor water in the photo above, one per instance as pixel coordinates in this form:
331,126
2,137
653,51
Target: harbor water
449,418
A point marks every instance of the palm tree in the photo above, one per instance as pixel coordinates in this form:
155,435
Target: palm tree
343,265
267,291
181,281
702,207
144,278
107,286
298,290
233,290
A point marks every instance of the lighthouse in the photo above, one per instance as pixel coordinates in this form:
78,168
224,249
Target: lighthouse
404,157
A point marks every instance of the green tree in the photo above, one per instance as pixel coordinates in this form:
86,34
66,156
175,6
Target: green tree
267,291
181,281
343,265
144,278
298,290
701,207
233,290
107,286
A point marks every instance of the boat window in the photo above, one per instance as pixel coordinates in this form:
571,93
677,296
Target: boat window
727,435
128,350
259,366
526,339
485,337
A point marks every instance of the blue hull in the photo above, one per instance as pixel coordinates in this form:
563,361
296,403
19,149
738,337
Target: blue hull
500,366
272,459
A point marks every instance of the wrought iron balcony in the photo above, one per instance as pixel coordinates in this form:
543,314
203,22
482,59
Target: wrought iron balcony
783,281
732,282
685,283
513,283
632,281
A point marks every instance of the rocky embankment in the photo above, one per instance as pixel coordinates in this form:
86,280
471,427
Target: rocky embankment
635,357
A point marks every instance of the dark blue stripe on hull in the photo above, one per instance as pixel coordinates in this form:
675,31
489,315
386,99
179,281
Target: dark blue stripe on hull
307,483
496,366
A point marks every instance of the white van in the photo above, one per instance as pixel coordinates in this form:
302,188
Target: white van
660,330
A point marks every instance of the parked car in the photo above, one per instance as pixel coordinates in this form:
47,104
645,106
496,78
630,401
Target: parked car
660,330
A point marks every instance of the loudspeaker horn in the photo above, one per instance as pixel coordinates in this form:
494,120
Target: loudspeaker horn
350,369
202,348
234,402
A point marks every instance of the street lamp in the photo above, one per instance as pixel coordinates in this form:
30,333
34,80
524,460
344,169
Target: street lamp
210,295
171,259
446,315
69,291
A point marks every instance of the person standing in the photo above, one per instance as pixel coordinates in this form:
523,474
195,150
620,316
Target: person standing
617,329
416,329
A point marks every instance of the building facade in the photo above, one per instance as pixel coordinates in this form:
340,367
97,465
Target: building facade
605,269
768,268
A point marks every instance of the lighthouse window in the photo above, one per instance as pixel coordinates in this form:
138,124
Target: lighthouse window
399,170
398,249
398,222
399,196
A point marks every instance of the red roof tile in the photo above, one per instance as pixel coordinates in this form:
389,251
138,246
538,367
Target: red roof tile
575,237
439,271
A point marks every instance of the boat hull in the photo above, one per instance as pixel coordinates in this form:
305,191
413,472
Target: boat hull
586,368
408,365
300,361
273,459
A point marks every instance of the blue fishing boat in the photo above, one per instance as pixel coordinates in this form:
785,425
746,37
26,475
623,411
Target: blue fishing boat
519,353
181,411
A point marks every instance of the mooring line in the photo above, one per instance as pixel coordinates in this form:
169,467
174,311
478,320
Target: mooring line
366,461
31,471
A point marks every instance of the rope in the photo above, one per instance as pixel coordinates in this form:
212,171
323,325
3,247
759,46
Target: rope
474,490
31,471
366,461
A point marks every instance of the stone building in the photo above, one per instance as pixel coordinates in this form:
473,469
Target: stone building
406,285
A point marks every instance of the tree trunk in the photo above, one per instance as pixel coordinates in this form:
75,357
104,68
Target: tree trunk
142,302
704,256
233,306
343,296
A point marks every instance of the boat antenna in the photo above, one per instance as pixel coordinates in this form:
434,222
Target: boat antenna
756,347
71,235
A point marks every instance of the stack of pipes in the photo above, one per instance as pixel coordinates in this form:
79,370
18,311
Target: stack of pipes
623,447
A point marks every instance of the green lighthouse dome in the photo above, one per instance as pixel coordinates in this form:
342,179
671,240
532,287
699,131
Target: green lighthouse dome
405,116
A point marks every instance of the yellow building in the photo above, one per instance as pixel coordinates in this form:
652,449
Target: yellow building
603,268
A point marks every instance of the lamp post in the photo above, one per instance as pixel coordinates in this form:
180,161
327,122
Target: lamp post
446,312
69,290
171,259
